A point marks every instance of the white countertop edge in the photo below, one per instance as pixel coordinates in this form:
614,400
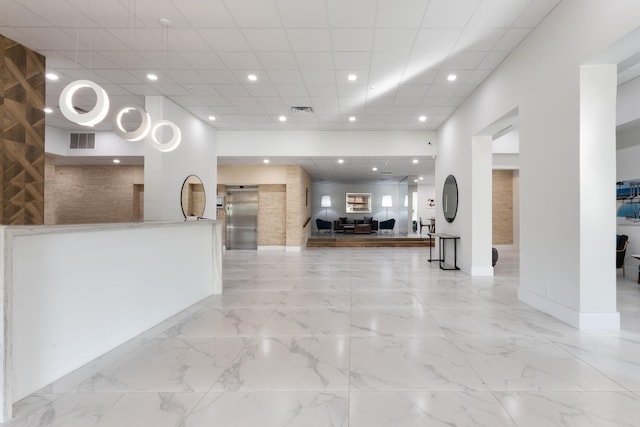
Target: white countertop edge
16,230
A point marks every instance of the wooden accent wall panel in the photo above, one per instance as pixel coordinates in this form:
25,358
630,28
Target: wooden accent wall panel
22,95
502,207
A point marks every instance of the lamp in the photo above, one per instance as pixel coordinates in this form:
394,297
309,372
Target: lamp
325,202
386,203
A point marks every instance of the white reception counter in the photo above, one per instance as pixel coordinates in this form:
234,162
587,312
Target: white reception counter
72,293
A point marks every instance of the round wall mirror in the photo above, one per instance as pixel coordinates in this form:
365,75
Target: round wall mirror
450,198
193,198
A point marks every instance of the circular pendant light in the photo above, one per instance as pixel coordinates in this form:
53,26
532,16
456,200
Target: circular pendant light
96,115
135,135
175,139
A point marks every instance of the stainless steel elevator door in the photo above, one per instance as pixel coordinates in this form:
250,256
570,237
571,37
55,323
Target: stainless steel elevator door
242,219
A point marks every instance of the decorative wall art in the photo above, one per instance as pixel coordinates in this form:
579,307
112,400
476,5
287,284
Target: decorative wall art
628,202
431,203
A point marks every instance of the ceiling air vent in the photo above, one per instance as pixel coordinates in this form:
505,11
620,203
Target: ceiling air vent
386,173
82,141
301,110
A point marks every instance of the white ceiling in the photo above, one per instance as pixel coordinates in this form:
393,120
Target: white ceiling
301,51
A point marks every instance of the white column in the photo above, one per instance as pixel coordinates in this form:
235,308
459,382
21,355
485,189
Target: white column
164,173
598,87
481,231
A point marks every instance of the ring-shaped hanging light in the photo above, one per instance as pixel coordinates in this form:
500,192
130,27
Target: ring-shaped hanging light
135,135
93,117
175,139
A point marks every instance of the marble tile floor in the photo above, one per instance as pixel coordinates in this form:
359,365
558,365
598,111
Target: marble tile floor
359,337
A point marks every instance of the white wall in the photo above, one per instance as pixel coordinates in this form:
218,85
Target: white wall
427,191
326,143
338,192
164,173
108,144
94,288
542,79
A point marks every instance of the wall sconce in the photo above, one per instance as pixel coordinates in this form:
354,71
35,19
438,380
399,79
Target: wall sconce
386,203
325,202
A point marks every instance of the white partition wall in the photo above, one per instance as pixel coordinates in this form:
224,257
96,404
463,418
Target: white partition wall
542,78
164,173
72,293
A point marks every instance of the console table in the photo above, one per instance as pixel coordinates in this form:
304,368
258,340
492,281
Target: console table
443,237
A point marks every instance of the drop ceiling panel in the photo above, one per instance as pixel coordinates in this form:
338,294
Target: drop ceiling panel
232,90
225,39
150,12
352,60
535,12
61,13
351,14
240,60
393,40
492,60
267,39
277,60
215,15
352,40
285,77
464,60
319,77
479,38
449,13
292,90
322,90
262,91
409,15
511,39
308,13
314,60
436,40
310,40
497,13
19,16
219,77
202,61
254,14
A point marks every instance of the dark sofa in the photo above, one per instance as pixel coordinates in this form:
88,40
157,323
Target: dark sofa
338,225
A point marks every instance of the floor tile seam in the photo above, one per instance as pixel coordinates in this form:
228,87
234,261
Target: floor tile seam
504,408
590,365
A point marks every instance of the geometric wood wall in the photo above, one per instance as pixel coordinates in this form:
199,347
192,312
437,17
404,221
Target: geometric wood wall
22,95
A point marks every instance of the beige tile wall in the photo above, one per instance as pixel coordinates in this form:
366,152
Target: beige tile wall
272,215
92,194
298,205
502,207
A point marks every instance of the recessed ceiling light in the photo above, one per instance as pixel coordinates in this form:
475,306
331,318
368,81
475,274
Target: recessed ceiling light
415,161
372,87
52,76
452,77
423,118
374,169
152,77
352,119
415,180
282,118
212,118
47,110
421,178
352,77
265,161
252,77
116,161
340,161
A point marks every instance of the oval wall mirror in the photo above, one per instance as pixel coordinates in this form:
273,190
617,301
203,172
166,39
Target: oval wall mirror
450,198
193,198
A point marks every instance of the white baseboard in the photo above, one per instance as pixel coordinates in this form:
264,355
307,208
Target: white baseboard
294,248
593,321
482,271
271,248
